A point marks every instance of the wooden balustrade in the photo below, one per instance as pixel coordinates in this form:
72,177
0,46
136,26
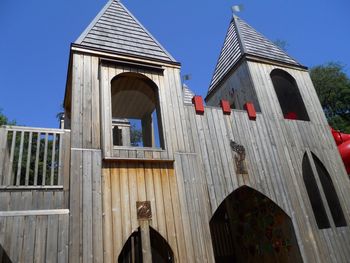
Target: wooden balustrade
33,157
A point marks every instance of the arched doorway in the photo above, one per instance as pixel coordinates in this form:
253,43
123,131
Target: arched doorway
249,227
132,250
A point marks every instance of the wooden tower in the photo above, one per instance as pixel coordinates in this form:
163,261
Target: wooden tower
253,177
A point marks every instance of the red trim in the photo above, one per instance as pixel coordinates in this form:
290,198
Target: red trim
225,105
249,107
198,104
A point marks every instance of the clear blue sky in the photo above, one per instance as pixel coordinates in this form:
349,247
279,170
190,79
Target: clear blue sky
36,34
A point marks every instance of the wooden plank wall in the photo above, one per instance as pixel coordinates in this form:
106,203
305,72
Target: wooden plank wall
85,164
124,183
275,149
237,88
35,238
172,113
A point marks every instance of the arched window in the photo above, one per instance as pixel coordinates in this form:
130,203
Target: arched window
314,194
132,250
249,227
329,191
136,119
288,95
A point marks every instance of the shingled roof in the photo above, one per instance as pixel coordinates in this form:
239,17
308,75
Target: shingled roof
241,39
116,30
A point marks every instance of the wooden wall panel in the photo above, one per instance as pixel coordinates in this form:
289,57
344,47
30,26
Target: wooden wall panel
86,207
124,183
274,151
34,238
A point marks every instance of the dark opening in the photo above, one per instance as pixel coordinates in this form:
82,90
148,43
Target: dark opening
4,258
330,193
289,96
136,111
249,227
314,194
132,250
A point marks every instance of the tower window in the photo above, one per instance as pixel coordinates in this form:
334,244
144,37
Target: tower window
328,190
136,117
289,96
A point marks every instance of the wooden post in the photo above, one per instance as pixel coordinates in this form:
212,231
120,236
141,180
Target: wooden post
144,215
145,241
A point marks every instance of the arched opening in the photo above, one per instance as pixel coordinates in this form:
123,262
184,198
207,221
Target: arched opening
4,258
132,250
329,191
136,119
249,227
289,96
314,194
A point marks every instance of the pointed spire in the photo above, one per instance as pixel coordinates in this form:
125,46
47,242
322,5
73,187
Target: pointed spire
243,40
116,30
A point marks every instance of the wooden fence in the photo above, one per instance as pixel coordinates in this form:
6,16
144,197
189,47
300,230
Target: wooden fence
33,156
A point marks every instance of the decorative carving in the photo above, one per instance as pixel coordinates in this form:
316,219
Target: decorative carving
241,167
144,211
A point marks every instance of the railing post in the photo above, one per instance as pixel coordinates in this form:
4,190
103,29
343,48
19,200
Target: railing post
3,142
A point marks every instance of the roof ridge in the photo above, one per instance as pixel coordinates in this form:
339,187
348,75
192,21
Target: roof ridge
93,22
104,33
149,34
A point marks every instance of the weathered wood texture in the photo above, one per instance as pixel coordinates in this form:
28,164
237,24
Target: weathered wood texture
85,207
243,40
237,89
124,183
274,152
115,29
34,238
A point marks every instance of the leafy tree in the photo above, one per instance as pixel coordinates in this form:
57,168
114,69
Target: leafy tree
333,88
4,120
135,135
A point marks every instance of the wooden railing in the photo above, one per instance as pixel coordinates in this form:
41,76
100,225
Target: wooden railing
33,156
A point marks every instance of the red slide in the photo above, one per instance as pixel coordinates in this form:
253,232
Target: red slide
343,142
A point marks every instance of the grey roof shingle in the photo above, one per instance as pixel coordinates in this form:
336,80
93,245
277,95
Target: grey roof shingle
241,39
116,30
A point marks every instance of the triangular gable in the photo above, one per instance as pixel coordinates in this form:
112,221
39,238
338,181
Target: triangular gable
241,39
116,30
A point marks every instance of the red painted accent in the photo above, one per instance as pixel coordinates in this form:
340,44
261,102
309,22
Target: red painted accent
291,116
344,150
198,104
225,105
343,142
249,107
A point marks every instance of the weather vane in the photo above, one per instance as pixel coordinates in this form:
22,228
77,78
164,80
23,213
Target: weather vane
237,8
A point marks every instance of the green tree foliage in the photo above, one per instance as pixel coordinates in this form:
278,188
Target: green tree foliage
333,88
4,120
135,135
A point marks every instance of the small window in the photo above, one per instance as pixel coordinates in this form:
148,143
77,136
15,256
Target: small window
289,96
330,193
328,190
136,117
314,195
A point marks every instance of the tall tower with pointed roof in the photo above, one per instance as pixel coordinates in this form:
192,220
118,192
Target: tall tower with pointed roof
143,171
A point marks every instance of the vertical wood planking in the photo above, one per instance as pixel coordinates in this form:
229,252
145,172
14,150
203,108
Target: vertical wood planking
29,152
43,182
53,160
10,175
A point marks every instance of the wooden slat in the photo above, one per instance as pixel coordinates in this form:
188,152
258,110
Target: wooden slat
29,152
19,165
53,160
10,176
36,168
43,182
